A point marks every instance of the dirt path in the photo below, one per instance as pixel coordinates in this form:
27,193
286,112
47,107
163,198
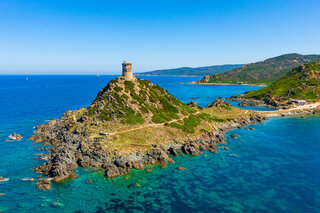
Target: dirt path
148,125
267,113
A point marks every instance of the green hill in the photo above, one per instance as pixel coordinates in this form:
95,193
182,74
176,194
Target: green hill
190,71
262,72
303,82
136,102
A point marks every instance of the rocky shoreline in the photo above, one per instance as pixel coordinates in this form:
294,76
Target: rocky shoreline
252,102
68,151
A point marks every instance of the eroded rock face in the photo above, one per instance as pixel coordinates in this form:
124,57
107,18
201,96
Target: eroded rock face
218,103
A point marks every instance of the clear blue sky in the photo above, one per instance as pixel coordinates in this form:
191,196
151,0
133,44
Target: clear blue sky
93,36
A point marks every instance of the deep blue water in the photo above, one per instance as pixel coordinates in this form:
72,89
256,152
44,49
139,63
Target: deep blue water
275,168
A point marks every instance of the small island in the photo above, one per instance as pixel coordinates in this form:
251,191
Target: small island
133,123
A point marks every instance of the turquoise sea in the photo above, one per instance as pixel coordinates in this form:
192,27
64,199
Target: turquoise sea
274,168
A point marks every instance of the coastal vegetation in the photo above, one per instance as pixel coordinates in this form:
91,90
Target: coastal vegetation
262,72
303,82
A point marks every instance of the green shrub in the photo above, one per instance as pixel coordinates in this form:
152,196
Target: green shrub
117,89
91,111
129,85
189,124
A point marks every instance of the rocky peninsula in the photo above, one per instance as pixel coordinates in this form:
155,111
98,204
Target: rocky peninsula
133,123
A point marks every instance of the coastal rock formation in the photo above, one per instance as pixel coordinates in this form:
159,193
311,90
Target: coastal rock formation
43,184
131,124
16,136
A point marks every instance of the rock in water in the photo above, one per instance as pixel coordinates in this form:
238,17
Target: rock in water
57,204
235,136
181,168
16,136
43,184
2,179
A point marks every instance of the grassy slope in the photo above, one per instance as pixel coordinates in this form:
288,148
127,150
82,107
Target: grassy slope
198,71
264,72
302,82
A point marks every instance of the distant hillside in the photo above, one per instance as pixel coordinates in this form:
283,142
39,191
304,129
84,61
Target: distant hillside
262,72
303,82
197,71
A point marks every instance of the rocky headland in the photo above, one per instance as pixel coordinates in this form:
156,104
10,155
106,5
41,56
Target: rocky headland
132,124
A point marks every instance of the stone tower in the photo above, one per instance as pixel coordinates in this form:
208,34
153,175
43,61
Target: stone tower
127,71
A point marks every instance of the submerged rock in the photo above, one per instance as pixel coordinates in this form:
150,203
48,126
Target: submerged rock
2,179
181,168
43,184
57,204
235,136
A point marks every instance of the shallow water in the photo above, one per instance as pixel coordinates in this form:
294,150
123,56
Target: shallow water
274,168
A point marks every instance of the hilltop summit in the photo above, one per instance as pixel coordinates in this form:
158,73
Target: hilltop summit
136,102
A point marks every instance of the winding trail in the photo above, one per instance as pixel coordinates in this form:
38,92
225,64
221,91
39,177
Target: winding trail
147,125
275,113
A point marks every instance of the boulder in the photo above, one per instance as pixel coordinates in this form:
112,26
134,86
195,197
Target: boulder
43,184
16,136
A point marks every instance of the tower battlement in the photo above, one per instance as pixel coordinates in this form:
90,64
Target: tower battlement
127,71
